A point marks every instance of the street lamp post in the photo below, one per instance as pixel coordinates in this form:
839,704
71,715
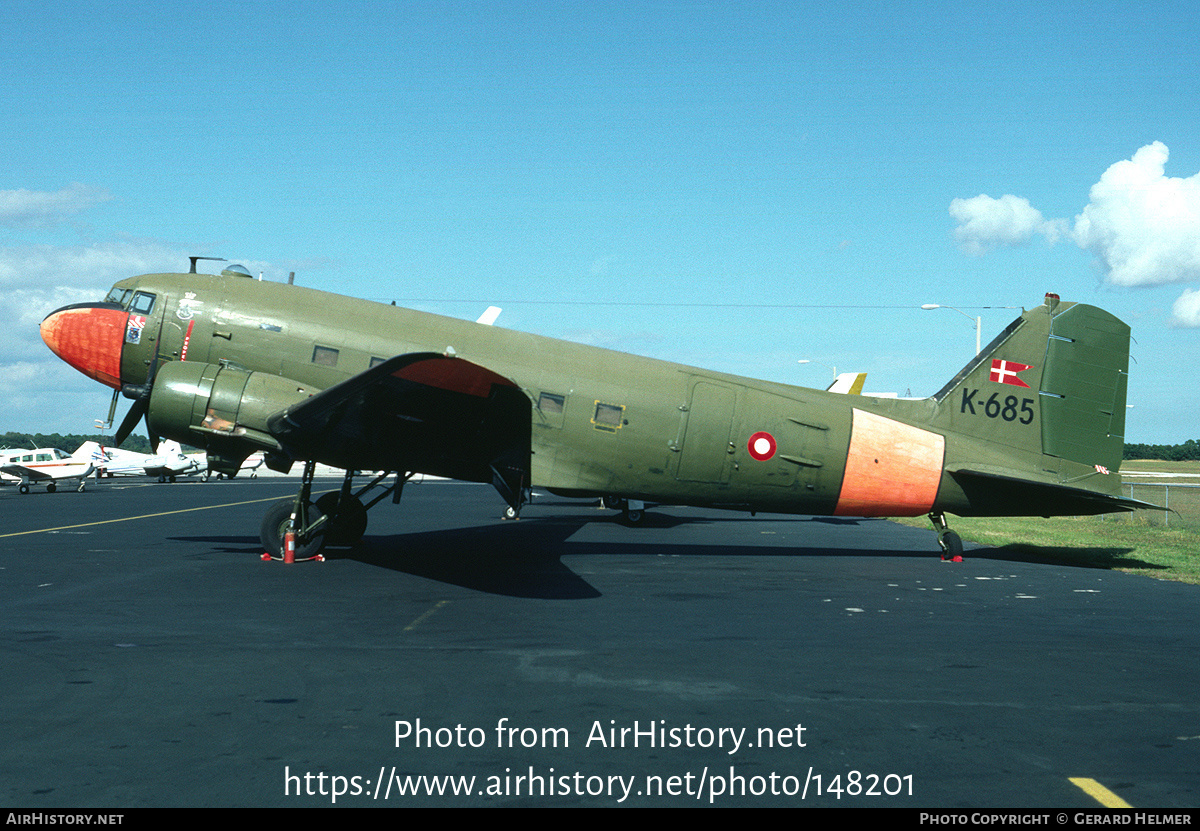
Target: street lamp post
978,321
822,363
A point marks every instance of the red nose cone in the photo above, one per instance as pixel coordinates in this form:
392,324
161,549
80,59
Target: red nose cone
89,339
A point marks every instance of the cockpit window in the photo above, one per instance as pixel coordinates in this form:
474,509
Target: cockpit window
118,296
143,303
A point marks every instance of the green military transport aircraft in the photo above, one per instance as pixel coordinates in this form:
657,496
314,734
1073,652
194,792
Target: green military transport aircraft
1033,425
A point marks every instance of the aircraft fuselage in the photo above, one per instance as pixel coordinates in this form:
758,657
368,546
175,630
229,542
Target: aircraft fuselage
609,423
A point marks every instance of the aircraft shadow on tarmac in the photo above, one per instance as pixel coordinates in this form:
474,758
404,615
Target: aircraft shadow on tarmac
1074,556
524,558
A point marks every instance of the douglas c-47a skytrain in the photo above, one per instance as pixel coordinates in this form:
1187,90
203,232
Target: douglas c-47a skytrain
1033,425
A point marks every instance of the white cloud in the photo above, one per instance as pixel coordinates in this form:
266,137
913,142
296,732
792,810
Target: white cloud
34,281
97,265
40,209
1186,311
1142,225
985,223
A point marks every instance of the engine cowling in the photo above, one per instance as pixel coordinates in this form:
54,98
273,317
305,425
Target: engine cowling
220,407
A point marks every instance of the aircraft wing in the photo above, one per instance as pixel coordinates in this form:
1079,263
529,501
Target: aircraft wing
33,474
421,412
29,473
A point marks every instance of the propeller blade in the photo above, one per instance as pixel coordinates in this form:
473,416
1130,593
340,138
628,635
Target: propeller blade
145,402
136,411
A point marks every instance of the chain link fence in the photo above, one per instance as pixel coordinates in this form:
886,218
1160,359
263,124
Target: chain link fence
1181,504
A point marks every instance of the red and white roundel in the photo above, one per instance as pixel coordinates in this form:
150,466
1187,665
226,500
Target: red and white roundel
761,446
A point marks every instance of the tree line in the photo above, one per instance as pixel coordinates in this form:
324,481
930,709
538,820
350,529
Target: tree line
69,442
1186,452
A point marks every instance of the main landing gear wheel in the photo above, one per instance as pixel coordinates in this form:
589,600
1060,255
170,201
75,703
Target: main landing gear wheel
51,488
346,518
278,522
23,488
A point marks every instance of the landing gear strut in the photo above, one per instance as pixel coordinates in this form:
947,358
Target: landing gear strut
336,518
296,521
633,511
951,542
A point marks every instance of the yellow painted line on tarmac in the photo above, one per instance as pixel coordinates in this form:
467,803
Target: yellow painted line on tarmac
423,617
142,516
1099,793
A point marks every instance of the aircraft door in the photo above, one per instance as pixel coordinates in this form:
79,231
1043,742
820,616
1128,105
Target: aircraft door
707,453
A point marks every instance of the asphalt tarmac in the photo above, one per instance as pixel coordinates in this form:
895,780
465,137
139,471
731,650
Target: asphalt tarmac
151,658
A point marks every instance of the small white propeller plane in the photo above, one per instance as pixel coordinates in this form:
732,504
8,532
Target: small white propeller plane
170,461
47,465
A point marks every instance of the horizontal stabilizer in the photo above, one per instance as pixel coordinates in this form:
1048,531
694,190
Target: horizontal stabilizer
1017,496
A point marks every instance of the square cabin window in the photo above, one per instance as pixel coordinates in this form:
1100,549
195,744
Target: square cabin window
608,416
550,403
325,356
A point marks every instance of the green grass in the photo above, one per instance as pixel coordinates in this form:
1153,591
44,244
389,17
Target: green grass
1153,543
1189,468
1117,543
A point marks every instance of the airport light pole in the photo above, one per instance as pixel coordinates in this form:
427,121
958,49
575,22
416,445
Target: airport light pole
822,363
978,321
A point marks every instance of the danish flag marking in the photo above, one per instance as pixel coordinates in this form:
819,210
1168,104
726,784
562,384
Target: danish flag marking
1005,372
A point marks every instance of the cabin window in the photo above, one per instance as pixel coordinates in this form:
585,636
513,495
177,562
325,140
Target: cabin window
550,403
608,417
376,361
143,303
324,356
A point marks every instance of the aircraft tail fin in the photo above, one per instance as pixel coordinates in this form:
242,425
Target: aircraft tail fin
1053,383
90,451
848,383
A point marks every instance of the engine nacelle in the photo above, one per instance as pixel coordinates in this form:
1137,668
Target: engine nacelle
220,407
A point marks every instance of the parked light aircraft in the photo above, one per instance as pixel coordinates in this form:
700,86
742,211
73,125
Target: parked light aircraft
1032,426
47,465
168,462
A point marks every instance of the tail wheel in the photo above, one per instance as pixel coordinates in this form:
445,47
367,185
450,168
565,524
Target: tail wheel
952,546
278,521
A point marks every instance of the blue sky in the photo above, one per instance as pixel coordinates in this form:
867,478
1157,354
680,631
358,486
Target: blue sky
731,185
